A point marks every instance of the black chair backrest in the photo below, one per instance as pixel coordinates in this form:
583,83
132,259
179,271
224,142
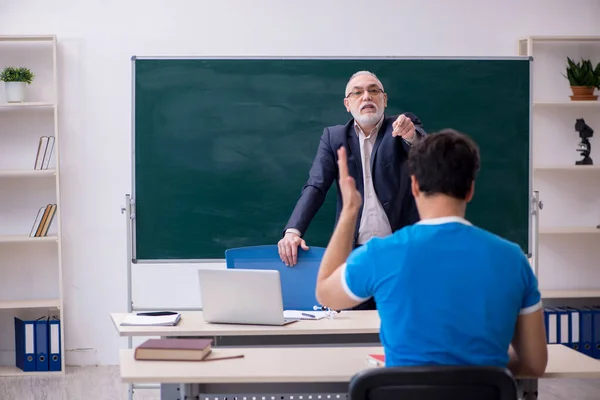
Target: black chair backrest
433,383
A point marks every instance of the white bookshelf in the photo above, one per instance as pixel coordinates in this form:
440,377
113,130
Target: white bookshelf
30,267
569,239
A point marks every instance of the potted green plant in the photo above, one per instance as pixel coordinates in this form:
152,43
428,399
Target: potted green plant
15,79
583,79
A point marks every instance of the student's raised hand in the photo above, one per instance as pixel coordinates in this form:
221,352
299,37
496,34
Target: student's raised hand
351,198
403,127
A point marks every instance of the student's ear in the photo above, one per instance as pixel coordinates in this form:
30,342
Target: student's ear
471,192
414,186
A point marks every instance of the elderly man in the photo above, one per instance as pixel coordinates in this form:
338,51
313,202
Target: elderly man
377,146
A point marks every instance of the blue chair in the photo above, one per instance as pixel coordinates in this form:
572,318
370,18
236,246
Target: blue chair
297,283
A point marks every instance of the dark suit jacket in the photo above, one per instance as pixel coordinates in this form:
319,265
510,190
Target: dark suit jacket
388,166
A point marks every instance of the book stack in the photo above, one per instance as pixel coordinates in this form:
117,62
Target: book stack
43,220
44,152
181,349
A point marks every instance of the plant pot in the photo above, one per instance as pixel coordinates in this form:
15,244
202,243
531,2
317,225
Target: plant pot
583,93
15,92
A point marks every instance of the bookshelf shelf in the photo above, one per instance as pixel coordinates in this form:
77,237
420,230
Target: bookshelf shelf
8,371
562,39
30,199
569,168
573,104
11,173
27,239
566,230
571,294
27,105
18,304
27,38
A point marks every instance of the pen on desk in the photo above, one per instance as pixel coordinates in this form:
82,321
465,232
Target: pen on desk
308,315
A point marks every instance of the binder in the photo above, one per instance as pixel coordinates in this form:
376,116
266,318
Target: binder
41,344
564,327
551,322
573,327
596,332
54,362
25,356
586,329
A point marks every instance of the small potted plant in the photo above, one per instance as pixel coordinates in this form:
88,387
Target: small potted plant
15,79
583,79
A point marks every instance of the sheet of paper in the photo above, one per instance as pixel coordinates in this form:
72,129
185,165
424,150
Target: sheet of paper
293,314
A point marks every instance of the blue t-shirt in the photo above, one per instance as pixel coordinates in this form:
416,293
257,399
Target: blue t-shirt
447,292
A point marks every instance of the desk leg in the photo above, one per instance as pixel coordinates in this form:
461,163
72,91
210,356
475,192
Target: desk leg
530,389
193,391
170,391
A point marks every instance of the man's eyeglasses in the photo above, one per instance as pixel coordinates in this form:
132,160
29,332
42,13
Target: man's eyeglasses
359,92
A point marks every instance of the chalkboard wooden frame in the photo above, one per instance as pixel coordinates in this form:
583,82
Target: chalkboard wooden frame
133,250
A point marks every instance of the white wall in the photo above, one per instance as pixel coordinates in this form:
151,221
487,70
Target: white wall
96,42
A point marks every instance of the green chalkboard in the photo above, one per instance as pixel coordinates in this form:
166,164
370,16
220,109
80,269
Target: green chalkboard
222,147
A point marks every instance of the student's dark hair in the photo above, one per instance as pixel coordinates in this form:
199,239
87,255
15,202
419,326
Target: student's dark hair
444,162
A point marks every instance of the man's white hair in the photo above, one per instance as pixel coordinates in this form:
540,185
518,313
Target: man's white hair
361,73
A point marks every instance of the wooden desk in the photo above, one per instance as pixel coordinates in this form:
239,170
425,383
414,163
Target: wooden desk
300,369
347,327
192,324
259,365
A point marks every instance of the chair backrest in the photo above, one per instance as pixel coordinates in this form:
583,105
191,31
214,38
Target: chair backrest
433,383
298,283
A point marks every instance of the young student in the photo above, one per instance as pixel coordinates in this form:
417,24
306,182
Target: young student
448,292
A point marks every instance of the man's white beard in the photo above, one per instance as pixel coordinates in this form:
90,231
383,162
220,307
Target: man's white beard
369,118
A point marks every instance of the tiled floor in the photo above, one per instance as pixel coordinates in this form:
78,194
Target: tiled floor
103,383
78,383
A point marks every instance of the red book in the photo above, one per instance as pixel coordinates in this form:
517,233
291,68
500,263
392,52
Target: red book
377,359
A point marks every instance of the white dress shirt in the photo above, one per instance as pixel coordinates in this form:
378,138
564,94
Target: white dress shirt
373,221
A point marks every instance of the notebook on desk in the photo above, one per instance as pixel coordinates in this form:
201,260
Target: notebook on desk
151,320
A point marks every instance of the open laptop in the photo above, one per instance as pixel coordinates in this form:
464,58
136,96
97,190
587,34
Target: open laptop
242,296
